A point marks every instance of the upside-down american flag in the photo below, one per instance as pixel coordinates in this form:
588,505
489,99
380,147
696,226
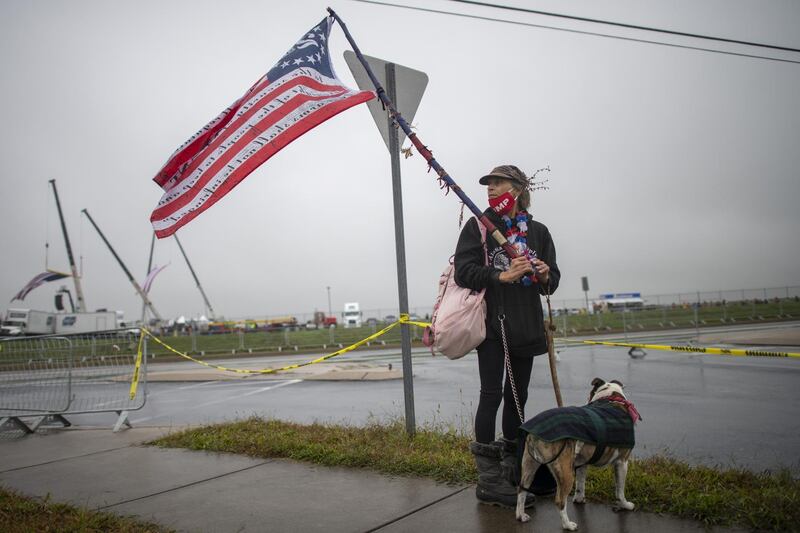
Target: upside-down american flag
300,92
41,279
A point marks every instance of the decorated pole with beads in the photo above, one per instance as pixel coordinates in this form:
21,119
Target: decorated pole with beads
491,229
423,150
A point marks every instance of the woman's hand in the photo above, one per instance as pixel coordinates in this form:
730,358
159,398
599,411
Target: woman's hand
542,270
518,268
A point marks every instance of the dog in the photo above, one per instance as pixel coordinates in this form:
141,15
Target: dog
589,440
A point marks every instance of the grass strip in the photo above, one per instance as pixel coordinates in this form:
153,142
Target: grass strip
732,497
21,514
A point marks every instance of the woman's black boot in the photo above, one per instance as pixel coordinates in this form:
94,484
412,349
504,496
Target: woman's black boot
510,463
493,486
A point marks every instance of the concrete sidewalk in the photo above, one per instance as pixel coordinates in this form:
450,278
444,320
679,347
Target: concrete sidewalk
200,491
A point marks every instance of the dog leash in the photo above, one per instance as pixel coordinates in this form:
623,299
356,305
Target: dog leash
550,353
507,359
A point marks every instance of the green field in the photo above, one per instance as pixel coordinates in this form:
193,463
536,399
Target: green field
680,316
299,339
652,319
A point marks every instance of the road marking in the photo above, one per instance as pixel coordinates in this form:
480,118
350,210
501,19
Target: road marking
197,385
223,400
277,385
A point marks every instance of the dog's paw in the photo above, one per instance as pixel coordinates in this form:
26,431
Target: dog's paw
624,506
579,499
570,526
523,517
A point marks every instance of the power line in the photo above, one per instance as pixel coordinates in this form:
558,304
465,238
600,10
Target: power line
629,26
581,32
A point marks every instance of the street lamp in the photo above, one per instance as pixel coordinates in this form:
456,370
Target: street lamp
585,287
330,313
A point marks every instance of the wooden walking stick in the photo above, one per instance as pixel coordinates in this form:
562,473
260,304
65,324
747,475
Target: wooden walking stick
550,328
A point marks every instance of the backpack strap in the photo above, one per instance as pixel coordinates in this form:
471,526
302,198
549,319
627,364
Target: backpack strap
482,228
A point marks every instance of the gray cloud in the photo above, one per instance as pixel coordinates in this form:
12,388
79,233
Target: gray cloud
673,170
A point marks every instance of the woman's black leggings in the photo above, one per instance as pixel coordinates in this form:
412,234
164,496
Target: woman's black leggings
491,364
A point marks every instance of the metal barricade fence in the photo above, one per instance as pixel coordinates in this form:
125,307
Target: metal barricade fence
35,375
51,377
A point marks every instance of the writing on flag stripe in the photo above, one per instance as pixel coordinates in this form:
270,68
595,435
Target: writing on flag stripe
220,150
246,162
300,92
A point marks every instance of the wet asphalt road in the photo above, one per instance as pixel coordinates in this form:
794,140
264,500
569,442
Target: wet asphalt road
715,410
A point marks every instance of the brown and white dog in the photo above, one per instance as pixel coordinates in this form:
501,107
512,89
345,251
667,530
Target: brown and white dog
562,456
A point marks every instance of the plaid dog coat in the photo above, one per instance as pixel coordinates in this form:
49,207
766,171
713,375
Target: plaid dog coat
600,423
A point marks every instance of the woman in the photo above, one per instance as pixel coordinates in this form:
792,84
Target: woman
513,289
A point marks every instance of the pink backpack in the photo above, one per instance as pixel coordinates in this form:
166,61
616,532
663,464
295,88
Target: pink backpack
458,324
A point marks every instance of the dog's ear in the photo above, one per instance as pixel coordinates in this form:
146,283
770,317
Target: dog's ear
618,382
596,384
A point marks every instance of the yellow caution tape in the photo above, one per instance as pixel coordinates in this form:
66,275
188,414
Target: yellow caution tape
404,319
692,349
135,380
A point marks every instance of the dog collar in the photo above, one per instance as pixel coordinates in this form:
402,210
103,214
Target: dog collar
627,404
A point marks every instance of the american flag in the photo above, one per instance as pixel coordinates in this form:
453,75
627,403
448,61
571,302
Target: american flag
44,277
298,93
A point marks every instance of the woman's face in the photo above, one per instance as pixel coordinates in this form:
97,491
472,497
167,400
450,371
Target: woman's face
497,186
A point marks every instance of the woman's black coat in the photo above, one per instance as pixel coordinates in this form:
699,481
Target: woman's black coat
521,305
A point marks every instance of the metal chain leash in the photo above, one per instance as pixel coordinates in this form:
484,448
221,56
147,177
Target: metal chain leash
510,374
507,358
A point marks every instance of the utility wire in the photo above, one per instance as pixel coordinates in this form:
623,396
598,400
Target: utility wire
630,26
581,32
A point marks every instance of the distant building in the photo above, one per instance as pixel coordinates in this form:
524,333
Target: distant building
620,300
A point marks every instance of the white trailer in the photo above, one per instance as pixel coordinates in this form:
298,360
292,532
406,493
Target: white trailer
33,322
86,322
352,315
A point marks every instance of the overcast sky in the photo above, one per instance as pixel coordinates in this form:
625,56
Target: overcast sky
672,169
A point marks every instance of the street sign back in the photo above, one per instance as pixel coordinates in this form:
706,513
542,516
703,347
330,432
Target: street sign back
410,85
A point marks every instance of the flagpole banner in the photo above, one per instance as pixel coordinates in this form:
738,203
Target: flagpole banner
148,280
44,277
300,92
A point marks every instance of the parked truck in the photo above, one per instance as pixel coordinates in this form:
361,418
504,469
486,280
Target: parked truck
351,315
321,320
33,322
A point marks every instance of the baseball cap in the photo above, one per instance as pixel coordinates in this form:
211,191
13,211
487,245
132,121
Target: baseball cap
508,172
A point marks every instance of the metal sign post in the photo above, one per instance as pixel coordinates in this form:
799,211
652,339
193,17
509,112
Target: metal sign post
412,84
400,249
